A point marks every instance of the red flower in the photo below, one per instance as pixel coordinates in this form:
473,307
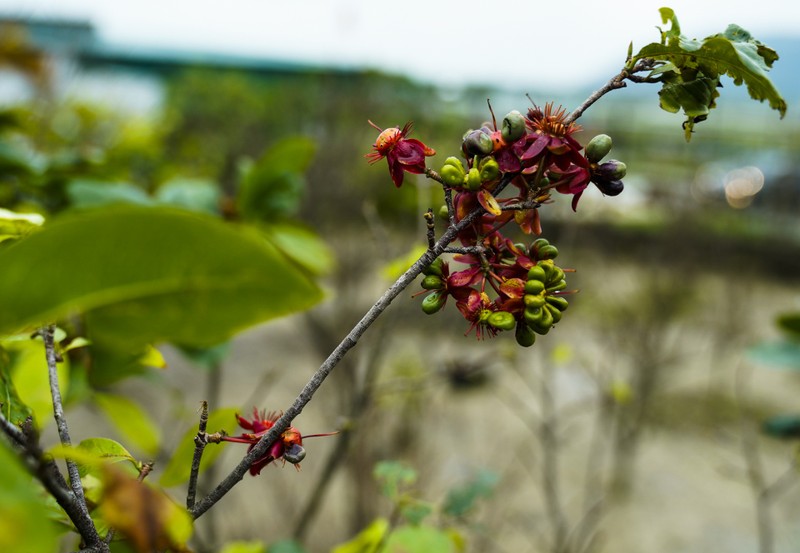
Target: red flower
288,447
403,154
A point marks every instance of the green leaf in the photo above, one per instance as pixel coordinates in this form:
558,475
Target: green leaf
13,408
690,69
180,464
273,187
419,539
462,499
25,523
88,193
132,422
302,245
104,450
184,277
193,194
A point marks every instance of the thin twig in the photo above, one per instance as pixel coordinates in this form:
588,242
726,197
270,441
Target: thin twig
87,527
199,445
236,475
616,82
47,335
430,226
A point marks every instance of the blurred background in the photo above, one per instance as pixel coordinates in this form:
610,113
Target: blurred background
635,425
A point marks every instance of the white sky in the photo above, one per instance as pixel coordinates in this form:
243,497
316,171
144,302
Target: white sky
513,42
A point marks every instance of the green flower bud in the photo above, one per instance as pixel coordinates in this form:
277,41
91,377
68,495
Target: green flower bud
453,172
534,287
533,300
501,320
513,127
554,312
432,282
533,315
547,317
560,285
559,302
433,302
544,323
524,335
598,148
537,272
435,268
555,275
538,243
477,143
489,169
547,252
473,180
444,214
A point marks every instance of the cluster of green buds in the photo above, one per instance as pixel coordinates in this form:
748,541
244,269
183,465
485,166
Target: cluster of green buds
483,171
607,176
543,299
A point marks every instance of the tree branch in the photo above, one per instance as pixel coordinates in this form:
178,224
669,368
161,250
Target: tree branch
337,355
84,523
47,335
46,471
617,81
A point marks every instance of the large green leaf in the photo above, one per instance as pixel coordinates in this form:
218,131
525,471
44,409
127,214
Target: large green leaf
690,70
148,274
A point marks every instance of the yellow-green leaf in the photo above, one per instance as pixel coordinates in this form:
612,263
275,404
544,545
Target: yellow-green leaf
133,422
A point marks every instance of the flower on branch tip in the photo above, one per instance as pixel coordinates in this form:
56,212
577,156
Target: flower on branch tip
288,446
405,155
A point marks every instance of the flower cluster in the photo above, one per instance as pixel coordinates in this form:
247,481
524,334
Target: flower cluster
288,447
505,285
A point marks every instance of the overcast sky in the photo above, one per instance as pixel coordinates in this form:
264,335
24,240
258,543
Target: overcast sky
514,42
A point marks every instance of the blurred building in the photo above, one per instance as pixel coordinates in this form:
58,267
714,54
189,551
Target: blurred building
80,64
